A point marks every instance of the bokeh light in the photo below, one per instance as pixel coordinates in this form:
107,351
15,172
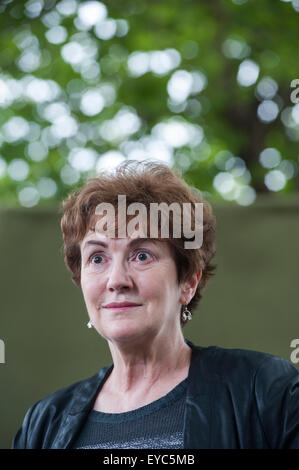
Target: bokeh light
275,180
46,187
109,160
269,158
82,159
248,73
92,102
84,86
267,111
56,35
267,88
92,12
125,123
29,196
18,169
235,49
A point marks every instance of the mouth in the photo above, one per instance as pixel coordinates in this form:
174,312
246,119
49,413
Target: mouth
121,305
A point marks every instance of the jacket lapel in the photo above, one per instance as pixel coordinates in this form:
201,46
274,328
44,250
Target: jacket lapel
79,408
198,411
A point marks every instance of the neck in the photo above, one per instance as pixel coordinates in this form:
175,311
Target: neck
141,365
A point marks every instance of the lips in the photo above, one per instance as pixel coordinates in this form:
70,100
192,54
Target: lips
121,305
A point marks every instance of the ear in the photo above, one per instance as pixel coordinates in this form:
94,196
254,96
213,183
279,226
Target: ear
188,288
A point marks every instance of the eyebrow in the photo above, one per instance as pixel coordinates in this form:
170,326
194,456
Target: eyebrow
131,244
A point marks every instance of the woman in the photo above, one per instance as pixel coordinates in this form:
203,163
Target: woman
161,390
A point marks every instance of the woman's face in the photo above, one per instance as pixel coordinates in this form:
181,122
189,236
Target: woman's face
130,287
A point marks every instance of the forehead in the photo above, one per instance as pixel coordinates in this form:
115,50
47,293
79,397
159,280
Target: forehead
94,238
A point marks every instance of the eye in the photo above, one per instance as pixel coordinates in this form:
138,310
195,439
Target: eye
96,259
142,256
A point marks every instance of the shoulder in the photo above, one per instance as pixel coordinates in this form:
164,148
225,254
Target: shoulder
261,389
46,416
256,369
71,396
62,398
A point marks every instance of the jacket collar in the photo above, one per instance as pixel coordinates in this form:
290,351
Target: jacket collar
86,393
79,408
199,399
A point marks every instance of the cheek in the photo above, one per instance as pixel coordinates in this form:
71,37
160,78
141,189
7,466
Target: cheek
160,283
158,291
153,291
90,289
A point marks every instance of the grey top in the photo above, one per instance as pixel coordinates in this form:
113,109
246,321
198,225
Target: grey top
158,425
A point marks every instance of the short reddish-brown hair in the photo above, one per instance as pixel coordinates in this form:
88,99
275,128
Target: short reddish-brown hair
144,182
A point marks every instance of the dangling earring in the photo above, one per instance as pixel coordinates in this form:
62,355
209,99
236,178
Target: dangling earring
89,324
186,315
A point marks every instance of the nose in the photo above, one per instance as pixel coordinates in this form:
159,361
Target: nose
118,277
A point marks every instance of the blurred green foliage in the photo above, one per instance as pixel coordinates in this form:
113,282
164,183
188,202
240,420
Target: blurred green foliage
202,85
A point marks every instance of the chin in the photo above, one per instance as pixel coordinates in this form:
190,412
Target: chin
121,331
126,333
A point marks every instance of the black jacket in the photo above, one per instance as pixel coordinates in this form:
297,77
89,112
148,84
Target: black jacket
235,399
